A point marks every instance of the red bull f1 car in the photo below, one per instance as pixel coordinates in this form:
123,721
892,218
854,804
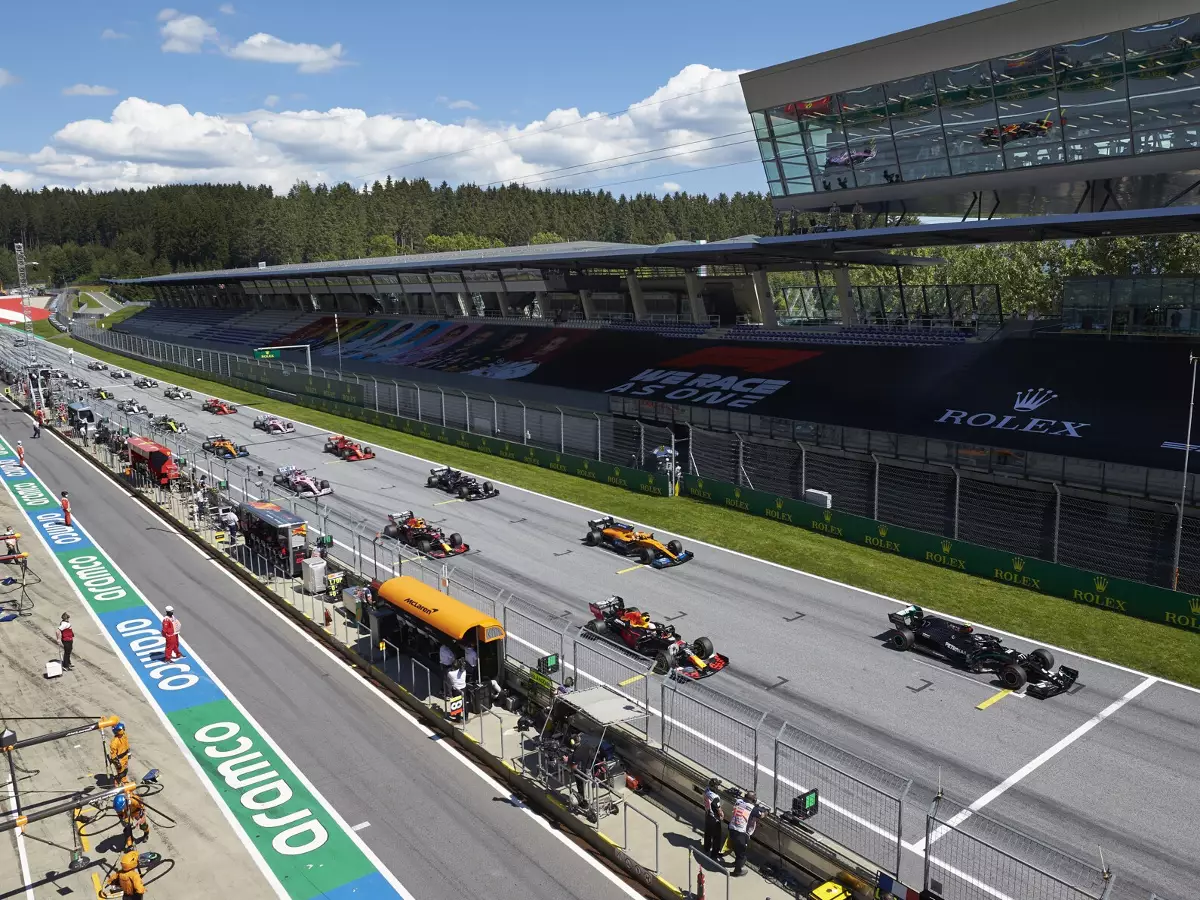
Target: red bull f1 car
1015,131
672,655
629,541
963,646
465,487
219,407
274,425
299,482
424,536
351,451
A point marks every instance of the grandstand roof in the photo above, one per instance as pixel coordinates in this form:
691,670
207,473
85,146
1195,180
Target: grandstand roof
872,246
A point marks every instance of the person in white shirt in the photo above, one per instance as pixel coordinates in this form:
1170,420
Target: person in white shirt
472,658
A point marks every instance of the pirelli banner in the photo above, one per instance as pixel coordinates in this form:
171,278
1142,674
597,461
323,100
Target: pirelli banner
1131,598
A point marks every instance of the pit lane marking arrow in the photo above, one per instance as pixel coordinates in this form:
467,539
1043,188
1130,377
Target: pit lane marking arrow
782,682
797,617
564,553
925,683
995,698
675,618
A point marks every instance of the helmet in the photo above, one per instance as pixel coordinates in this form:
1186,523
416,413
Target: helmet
120,802
118,728
170,609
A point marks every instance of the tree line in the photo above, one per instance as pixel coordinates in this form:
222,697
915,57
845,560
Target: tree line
80,236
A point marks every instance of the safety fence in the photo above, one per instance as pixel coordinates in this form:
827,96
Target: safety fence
968,854
862,803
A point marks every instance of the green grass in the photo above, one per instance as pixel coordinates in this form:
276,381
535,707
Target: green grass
1157,649
43,329
87,300
120,315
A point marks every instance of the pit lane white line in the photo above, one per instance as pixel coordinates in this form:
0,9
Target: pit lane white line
19,839
1038,761
849,587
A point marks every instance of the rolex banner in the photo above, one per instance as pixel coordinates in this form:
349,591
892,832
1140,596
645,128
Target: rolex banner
1132,598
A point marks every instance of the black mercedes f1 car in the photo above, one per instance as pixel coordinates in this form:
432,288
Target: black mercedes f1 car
966,648
465,487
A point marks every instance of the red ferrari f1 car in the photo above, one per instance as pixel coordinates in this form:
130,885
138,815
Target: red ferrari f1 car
673,656
351,451
218,407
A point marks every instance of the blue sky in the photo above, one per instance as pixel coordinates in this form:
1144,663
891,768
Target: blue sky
127,94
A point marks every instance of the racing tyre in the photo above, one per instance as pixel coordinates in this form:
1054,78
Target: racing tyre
597,626
456,540
366,451
347,453
1044,657
1012,676
901,639
391,531
430,481
329,448
423,544
594,537
662,664
675,547
702,647
488,489
645,556
324,484
462,493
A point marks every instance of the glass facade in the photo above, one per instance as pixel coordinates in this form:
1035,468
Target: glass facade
1133,92
1141,305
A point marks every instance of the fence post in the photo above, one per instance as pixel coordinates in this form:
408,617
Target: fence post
443,393
418,387
957,486
396,393
876,491
929,819
376,393
467,401
562,432
1057,512
641,444
524,425
803,470
775,769
600,448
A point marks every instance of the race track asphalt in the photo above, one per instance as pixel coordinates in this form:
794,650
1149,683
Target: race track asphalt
442,830
1110,766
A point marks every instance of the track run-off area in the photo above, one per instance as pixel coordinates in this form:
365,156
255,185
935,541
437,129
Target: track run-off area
1109,767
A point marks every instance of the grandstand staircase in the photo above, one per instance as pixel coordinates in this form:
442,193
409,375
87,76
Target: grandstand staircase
35,391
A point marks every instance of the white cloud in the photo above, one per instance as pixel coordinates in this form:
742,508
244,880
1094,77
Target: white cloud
7,78
226,9
182,33
669,187
308,58
271,101
111,34
88,90
456,104
144,143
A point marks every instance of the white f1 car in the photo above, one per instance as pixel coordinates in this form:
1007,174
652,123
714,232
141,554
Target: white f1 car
274,425
299,482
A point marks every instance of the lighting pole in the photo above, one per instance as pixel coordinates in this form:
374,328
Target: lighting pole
1187,448
338,329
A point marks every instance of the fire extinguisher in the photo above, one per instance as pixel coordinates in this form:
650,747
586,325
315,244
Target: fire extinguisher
700,885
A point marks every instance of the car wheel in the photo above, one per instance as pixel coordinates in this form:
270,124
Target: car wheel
423,544
430,481
901,639
1013,676
347,453
702,647
329,448
391,531
324,485
462,493
675,547
366,451
487,488
662,664
594,537
456,540
1045,657
645,556
597,626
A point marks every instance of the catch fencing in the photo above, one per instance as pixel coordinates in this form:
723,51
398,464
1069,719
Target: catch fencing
968,854
1117,535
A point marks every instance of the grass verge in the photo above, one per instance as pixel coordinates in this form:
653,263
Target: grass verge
120,315
1157,649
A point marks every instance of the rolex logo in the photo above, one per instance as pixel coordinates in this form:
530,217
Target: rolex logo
946,545
1101,583
1195,604
828,514
883,531
699,485
1018,564
779,503
1033,398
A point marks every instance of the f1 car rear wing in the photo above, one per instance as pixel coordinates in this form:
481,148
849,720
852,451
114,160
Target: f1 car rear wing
604,522
604,607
